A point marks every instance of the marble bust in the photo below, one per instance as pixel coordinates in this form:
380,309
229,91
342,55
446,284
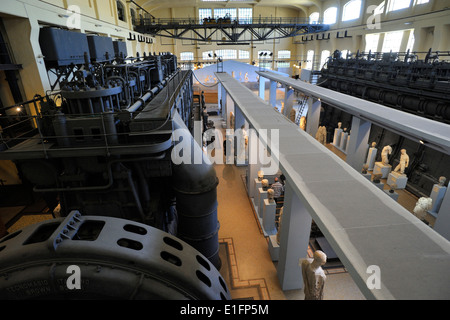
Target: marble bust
313,276
265,184
270,193
442,181
422,206
260,175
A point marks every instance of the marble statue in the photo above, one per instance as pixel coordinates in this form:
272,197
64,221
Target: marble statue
404,162
280,217
292,115
270,193
314,276
231,120
339,125
243,141
260,175
265,184
387,150
321,135
303,123
422,206
442,181
374,144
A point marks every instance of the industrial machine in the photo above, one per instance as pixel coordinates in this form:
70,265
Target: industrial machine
140,222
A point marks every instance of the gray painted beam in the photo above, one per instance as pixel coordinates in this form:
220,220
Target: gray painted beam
363,225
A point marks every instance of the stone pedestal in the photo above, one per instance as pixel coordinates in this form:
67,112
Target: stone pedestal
371,158
368,176
380,168
393,195
380,185
337,137
397,178
257,185
343,143
262,195
269,211
274,248
437,194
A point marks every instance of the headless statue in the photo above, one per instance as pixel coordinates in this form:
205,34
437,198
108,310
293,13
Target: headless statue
387,150
404,162
314,276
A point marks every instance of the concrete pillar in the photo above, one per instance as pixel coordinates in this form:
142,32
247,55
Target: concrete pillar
294,240
253,161
288,100
229,108
262,87
223,101
313,116
273,93
442,224
359,143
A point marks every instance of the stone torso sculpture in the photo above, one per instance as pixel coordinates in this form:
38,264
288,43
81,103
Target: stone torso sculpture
387,150
314,276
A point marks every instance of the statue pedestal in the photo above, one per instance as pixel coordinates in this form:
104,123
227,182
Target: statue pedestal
368,176
437,194
256,185
343,143
393,195
274,248
269,211
398,178
380,185
262,195
380,168
371,158
337,137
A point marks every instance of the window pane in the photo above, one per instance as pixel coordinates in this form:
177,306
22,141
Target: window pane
392,41
372,42
186,56
329,16
204,14
222,12
227,54
244,54
245,15
411,41
314,18
399,4
284,54
352,10
324,57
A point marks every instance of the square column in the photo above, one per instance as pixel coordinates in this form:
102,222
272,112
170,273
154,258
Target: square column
288,100
442,224
313,116
359,143
253,163
222,100
273,93
262,87
294,239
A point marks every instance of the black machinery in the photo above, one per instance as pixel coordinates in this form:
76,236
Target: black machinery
141,223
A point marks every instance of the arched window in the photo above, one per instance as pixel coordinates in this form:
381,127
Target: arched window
314,18
120,11
324,57
133,16
352,10
329,16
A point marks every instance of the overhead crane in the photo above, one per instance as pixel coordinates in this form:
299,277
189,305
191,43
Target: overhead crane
228,30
